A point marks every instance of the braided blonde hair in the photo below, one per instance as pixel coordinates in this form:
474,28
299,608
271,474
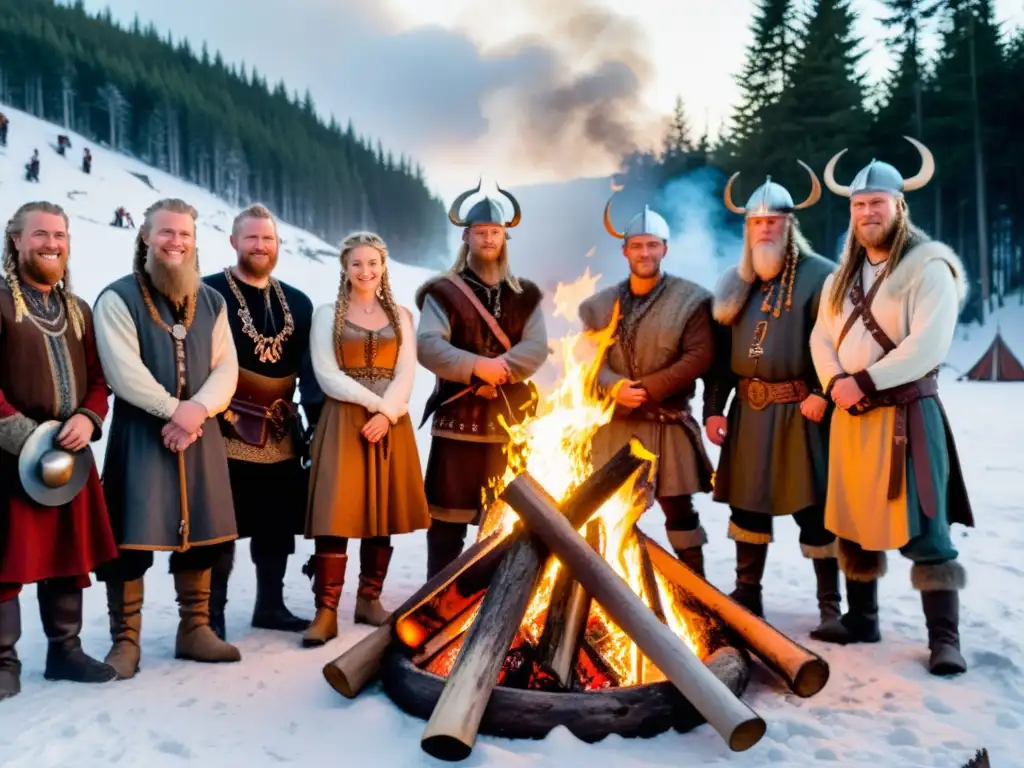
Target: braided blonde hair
384,294
10,265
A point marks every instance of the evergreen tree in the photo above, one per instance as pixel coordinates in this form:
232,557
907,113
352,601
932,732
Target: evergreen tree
820,112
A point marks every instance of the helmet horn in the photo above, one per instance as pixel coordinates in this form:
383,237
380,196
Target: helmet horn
728,196
815,194
924,175
830,178
517,212
608,220
453,212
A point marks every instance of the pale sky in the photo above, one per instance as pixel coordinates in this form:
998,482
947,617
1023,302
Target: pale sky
545,91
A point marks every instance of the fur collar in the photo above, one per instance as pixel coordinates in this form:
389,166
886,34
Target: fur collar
731,294
909,272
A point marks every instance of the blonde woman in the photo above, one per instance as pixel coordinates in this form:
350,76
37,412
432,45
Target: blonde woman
366,480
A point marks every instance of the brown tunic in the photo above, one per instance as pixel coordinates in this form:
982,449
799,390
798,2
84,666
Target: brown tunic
47,373
360,489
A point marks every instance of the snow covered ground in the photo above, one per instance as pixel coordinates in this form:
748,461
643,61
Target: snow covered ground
880,707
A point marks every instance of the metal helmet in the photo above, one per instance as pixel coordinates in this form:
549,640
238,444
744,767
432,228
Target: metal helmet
485,211
50,475
771,198
877,176
647,222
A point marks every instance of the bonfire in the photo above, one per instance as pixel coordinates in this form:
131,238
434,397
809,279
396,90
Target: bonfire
563,611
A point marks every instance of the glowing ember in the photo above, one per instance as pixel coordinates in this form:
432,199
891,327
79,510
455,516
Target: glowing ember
554,447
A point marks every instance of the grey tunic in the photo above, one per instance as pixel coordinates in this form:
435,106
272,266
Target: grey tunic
141,479
774,461
667,360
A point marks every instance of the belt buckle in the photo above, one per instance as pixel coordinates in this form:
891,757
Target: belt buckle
757,394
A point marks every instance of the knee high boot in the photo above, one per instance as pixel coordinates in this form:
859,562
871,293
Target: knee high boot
444,543
373,568
940,599
826,573
750,563
196,640
220,574
862,568
270,611
10,634
60,609
124,607
328,573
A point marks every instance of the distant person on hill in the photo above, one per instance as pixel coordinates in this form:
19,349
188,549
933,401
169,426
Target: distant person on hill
32,168
885,323
63,144
482,334
169,357
366,480
777,426
263,432
50,535
87,161
4,123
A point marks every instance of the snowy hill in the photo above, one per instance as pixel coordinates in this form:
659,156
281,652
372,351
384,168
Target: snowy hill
880,707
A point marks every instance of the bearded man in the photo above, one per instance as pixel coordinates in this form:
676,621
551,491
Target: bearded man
663,344
54,527
482,334
270,322
885,324
168,355
774,456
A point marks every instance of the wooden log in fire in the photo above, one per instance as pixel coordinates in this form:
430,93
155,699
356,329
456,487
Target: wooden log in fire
566,619
350,672
803,671
736,722
453,726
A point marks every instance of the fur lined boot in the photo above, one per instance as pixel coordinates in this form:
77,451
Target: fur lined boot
862,568
940,586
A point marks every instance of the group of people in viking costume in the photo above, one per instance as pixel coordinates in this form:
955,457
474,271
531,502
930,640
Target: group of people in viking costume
834,416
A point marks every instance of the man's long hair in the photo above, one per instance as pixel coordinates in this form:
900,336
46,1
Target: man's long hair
173,205
384,293
462,259
10,265
903,232
797,246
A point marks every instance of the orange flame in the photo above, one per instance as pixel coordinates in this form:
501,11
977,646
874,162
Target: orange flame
555,448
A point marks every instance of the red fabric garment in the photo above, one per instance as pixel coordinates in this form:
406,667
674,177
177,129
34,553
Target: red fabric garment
38,542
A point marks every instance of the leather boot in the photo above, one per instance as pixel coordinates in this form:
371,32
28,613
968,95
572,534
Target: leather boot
942,617
692,558
444,543
270,611
860,623
60,608
750,562
373,568
220,574
124,607
195,640
328,573
10,634
826,572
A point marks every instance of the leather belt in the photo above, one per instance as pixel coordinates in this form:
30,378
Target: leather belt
759,394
